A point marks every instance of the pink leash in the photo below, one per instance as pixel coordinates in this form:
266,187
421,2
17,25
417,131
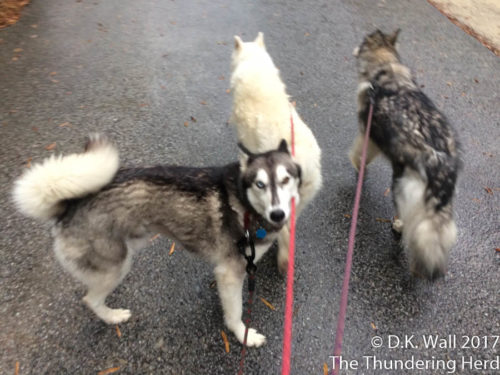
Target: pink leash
287,330
339,335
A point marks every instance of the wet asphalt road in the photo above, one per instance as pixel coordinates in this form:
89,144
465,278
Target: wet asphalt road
154,75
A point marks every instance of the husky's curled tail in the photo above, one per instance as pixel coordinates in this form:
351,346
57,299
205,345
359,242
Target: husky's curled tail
40,193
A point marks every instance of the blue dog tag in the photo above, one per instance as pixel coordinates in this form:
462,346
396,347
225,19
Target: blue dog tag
261,233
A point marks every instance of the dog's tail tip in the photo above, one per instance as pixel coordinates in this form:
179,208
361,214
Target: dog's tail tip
41,191
430,244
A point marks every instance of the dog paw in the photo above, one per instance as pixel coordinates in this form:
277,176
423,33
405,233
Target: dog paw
397,225
355,161
283,266
254,338
116,316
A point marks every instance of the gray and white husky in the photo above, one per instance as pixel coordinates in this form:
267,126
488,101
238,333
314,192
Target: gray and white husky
421,145
102,214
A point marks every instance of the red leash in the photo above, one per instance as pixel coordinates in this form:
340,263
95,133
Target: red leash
287,330
251,284
251,279
339,335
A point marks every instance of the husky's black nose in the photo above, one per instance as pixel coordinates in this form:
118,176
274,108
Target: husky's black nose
277,216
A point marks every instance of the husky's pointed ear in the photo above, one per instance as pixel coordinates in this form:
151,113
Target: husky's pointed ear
260,39
392,38
283,147
237,43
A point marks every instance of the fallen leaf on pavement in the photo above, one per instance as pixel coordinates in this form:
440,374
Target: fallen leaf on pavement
51,146
16,371
374,327
213,284
203,102
267,303
186,124
118,332
325,369
387,191
154,237
347,216
28,162
497,249
226,342
17,50
65,124
172,249
382,220
108,371
488,190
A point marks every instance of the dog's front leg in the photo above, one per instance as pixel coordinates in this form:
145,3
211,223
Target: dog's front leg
230,277
283,246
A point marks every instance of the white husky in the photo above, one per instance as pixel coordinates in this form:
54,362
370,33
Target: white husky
262,115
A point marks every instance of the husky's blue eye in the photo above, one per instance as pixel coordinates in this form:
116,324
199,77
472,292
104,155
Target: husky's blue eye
260,185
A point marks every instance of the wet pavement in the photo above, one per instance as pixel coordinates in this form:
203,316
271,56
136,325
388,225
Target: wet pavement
154,75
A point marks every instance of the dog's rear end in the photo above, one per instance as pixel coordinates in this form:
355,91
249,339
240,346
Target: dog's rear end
428,232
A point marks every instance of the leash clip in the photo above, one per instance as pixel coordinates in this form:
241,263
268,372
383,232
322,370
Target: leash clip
242,245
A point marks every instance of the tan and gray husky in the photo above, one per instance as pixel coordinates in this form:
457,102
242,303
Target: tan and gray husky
420,144
102,214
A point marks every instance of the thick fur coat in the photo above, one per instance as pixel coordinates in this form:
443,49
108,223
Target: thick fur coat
422,147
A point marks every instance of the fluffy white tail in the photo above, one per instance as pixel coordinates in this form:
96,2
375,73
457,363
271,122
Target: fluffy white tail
428,234
39,193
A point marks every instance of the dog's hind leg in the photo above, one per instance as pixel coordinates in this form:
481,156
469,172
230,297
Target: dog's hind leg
397,173
357,149
100,285
230,277
101,265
